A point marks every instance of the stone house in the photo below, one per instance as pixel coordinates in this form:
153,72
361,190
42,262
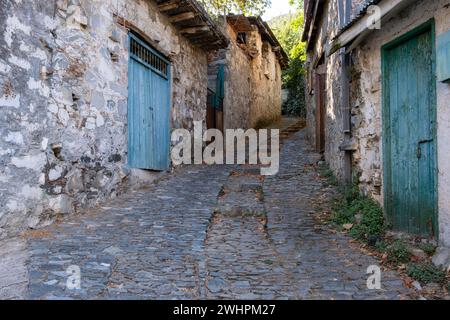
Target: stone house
245,78
378,93
89,91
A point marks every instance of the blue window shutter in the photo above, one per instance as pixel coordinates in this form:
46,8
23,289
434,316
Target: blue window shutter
443,57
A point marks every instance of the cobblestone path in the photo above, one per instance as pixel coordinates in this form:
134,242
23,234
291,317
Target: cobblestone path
206,233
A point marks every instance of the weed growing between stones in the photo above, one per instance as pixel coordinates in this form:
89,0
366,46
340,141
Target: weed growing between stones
363,219
428,248
326,173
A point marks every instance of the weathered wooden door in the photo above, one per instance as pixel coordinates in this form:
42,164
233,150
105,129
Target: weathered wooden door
148,107
320,81
409,113
214,114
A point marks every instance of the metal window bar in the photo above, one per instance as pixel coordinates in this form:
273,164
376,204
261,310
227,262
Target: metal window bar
148,57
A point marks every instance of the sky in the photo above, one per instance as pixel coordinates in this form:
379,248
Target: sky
278,7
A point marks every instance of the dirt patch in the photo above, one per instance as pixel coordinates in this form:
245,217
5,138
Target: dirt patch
36,234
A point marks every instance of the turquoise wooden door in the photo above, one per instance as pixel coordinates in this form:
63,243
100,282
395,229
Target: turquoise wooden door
148,107
409,111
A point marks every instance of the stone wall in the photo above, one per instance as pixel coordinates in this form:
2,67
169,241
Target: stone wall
23,104
366,101
63,97
334,135
252,81
238,85
266,81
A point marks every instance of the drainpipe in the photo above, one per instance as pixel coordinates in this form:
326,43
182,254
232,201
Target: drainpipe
346,147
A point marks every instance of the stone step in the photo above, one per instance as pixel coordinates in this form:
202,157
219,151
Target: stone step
284,134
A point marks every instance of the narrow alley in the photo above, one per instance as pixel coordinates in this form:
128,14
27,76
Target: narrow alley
117,117
205,232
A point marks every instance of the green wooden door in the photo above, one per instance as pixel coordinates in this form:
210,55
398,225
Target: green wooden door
409,133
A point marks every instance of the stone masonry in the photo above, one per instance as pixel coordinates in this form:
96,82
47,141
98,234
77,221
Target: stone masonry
253,67
366,99
63,102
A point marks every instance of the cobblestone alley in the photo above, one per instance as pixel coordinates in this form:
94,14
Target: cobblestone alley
201,233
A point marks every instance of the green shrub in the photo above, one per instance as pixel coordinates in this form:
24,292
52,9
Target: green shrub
382,246
426,273
398,253
351,194
294,80
372,223
343,216
352,203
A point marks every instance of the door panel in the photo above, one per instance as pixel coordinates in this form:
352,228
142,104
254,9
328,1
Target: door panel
320,80
161,113
148,108
214,115
409,128
139,123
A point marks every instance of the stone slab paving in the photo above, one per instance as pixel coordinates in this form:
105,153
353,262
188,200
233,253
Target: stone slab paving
13,271
147,245
323,264
208,233
272,247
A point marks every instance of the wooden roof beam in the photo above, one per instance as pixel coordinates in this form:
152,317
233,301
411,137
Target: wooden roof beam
167,6
182,17
195,30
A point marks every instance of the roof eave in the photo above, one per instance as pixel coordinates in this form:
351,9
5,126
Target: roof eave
360,27
194,23
314,17
308,18
266,31
282,57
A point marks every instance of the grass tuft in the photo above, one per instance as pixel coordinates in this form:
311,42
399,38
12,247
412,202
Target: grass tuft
426,273
326,173
398,253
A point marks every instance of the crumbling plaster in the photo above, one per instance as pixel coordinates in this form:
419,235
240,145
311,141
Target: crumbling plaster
266,82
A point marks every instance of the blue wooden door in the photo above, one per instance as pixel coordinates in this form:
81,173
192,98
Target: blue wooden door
148,107
409,133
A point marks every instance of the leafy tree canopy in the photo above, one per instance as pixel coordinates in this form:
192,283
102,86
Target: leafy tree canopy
288,29
224,7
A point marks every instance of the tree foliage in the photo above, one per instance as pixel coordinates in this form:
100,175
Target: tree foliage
224,7
288,29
